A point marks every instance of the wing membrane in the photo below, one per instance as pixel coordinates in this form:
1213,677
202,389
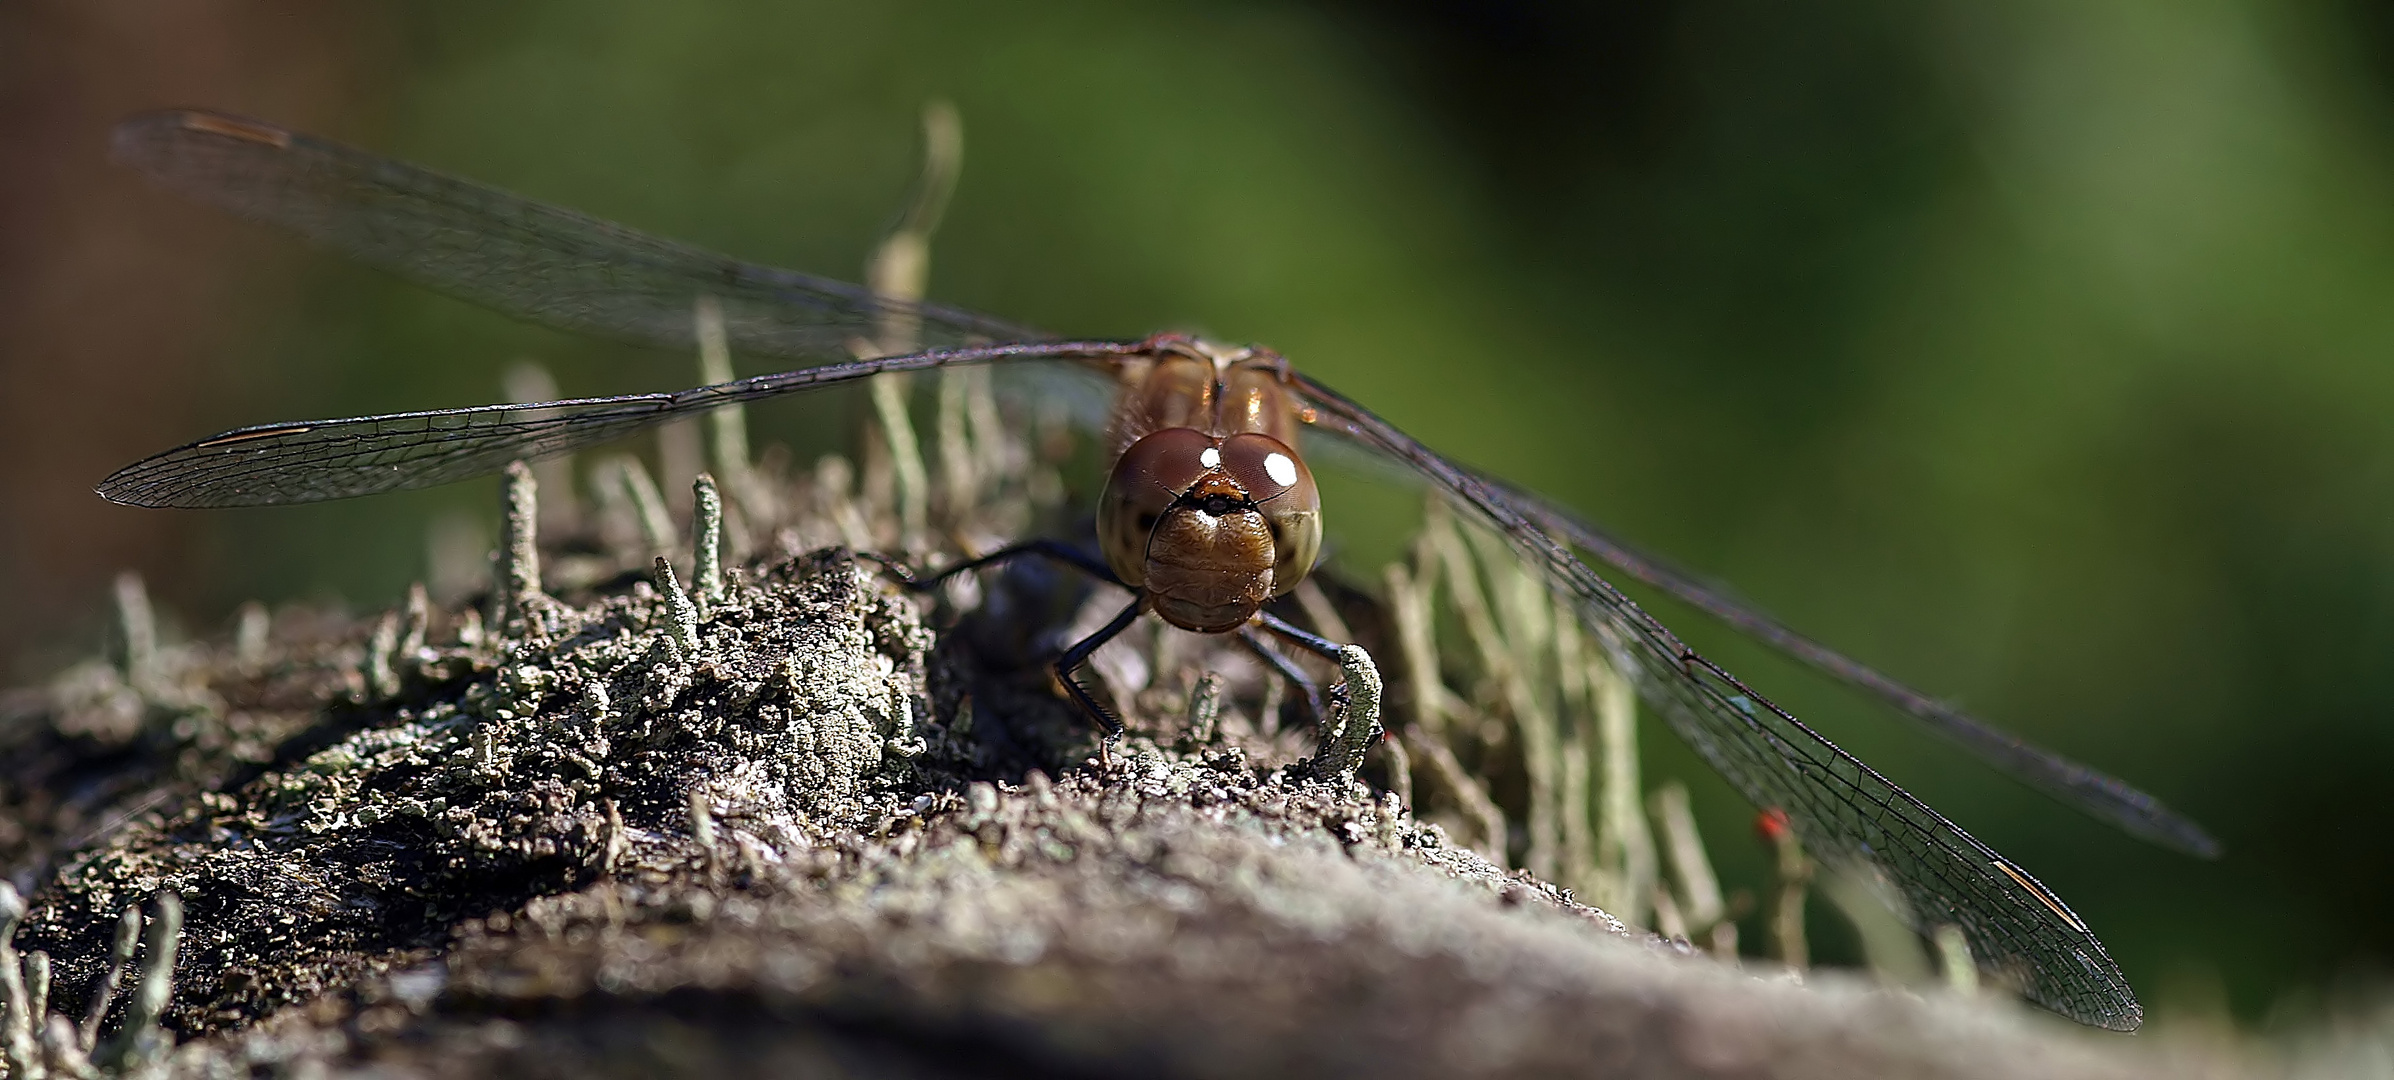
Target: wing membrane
520,257
1845,812
313,461
2091,791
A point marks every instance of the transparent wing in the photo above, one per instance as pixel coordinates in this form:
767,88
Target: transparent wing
523,258
312,461
1844,811
2091,791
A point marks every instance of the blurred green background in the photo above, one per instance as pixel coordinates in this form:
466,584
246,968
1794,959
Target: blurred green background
2041,354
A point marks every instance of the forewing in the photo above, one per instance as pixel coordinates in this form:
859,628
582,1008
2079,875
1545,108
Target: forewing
1843,810
2094,792
313,461
517,256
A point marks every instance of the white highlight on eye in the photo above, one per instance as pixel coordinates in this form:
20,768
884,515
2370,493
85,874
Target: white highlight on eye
1212,458
1282,470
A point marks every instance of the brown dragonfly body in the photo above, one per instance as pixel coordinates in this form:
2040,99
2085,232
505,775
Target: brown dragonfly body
1207,507
1208,511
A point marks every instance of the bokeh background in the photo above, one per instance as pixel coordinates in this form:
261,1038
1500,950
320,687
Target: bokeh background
2040,353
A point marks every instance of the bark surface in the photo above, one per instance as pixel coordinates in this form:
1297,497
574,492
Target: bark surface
805,834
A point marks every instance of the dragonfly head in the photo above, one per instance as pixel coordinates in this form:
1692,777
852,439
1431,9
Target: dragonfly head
1210,527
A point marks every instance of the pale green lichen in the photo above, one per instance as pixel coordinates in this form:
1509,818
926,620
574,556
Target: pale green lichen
795,703
120,958
1352,728
519,547
139,1042
706,542
17,1018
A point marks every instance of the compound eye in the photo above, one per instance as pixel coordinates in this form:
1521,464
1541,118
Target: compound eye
1282,488
1150,475
1170,461
1268,469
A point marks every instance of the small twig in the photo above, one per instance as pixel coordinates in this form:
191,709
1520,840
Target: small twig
1795,872
900,270
1606,881
1443,542
1953,956
1624,841
1699,889
1524,639
1458,781
139,1040
656,522
469,628
526,382
1668,922
1891,949
1318,610
120,956
959,475
997,450
417,628
727,427
835,500
37,986
250,635
16,1029
1409,606
616,840
683,612
905,455
62,1054
1436,710
1400,771
1205,708
702,829
707,542
519,582
596,701
681,455
901,266
137,624
382,678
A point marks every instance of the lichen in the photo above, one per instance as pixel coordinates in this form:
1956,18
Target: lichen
485,781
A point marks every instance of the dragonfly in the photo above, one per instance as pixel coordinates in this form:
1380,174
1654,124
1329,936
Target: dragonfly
554,266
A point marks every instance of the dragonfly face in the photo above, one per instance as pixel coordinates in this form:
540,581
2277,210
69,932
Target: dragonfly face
1208,508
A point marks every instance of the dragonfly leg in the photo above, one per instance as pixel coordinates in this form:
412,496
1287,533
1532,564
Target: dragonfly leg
1303,639
1289,671
1078,654
1312,643
1049,549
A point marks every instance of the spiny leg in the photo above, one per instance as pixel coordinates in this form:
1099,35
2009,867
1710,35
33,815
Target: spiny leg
1312,643
1344,744
1048,549
1073,657
1289,672
1079,653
